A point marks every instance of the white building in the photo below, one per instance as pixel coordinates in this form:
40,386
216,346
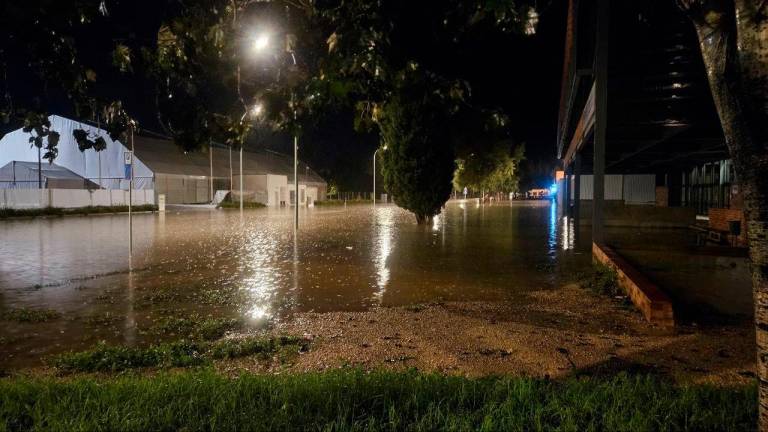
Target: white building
161,167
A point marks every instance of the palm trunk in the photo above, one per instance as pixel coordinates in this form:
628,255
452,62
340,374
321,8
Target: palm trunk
735,53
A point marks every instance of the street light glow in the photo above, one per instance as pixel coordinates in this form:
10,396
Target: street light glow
257,110
261,42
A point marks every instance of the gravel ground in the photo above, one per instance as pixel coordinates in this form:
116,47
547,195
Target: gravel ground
553,333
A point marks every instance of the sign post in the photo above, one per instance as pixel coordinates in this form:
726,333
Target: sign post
128,158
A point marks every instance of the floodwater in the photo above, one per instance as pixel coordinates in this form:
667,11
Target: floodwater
221,263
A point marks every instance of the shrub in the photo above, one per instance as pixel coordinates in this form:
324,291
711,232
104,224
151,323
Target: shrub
601,279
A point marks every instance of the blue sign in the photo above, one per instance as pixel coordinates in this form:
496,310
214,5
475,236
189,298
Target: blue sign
128,158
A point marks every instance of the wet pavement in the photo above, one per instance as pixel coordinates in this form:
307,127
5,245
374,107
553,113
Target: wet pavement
219,263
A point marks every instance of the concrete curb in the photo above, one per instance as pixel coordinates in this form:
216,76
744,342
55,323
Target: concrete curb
654,304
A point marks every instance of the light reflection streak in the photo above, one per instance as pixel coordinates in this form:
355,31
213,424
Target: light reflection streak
130,317
569,233
382,249
552,237
260,281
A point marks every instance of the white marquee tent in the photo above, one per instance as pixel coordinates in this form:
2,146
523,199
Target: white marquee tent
107,165
162,168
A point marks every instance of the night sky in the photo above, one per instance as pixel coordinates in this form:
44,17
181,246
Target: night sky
519,74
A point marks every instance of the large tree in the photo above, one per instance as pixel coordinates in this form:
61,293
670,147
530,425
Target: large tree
377,48
494,169
418,160
48,58
733,37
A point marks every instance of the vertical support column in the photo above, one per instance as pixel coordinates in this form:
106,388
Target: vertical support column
567,191
576,189
210,159
601,121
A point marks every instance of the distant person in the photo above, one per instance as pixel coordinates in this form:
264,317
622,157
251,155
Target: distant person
465,192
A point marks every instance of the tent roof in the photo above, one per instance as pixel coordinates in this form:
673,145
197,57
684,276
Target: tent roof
162,156
51,171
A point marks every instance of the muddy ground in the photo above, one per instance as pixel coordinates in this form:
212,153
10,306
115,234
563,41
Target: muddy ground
552,333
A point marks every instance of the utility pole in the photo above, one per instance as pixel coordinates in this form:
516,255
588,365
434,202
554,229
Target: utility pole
296,181
130,204
241,178
210,158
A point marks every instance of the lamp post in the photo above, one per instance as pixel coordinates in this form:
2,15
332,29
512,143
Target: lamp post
256,112
374,172
260,44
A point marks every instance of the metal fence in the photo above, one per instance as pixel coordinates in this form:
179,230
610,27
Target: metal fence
351,196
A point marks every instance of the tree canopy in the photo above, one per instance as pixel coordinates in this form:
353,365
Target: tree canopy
384,58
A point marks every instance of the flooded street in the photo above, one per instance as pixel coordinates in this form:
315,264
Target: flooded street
215,263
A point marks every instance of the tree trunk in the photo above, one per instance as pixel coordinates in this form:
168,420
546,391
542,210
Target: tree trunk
733,37
423,219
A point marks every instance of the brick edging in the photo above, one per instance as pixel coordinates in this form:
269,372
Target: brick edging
654,304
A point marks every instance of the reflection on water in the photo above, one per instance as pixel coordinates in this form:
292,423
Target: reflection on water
249,265
552,237
569,233
261,277
382,249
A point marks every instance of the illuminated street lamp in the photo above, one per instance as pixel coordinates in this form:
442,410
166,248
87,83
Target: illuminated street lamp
260,45
374,173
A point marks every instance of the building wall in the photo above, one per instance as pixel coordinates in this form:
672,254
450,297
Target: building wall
180,189
71,198
631,188
276,187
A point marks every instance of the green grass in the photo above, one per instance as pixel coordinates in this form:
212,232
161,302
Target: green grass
29,315
601,279
352,400
236,205
105,319
57,211
196,327
107,358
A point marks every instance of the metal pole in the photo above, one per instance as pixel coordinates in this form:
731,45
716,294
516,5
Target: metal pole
230,173
241,178
39,170
295,159
130,203
374,176
296,182
210,158
601,116
100,186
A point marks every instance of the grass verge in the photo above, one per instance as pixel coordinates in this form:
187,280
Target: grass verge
28,315
195,327
57,211
107,358
352,400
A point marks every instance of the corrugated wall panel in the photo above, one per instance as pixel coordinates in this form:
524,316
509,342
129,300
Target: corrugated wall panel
640,189
614,187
